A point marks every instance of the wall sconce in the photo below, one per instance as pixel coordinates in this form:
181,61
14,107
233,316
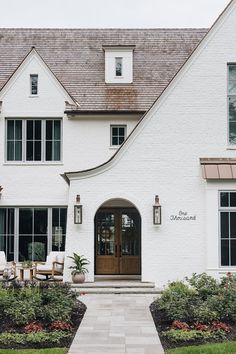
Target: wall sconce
1,188
157,211
78,211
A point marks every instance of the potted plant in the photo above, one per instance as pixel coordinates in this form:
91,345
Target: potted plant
79,268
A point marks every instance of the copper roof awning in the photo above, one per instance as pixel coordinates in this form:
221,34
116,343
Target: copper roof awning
218,168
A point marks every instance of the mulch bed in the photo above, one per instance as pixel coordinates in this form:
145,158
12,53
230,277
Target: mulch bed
162,325
76,319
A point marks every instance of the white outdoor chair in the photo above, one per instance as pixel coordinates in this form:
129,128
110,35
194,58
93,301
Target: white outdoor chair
52,269
7,269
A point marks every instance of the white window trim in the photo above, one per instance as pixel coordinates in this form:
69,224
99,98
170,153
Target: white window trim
43,161
222,209
117,126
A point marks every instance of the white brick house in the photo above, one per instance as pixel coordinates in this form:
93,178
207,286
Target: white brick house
182,149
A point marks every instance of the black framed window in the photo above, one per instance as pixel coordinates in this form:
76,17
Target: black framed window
228,228
30,233
118,134
119,66
14,140
7,232
232,103
59,216
33,140
34,84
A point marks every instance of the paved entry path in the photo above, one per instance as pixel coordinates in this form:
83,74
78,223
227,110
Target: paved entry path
117,324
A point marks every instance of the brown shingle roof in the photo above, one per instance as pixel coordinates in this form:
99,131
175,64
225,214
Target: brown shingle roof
76,57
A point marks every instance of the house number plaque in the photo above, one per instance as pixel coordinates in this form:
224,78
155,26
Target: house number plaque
183,216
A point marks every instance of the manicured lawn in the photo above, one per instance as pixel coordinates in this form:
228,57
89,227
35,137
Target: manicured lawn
35,351
221,348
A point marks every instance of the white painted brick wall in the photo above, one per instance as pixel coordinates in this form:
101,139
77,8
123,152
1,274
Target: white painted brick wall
189,122
86,142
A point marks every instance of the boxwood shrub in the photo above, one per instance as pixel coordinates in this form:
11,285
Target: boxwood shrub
200,298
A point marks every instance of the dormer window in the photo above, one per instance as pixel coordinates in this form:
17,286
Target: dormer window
34,84
118,64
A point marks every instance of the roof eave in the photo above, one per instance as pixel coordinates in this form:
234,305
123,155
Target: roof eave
102,112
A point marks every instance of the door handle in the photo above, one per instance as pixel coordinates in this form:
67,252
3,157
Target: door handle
120,251
115,250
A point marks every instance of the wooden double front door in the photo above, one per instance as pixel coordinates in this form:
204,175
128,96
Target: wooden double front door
118,241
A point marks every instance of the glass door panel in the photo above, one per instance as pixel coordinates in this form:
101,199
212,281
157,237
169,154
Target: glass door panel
130,242
117,239
106,234
106,243
130,230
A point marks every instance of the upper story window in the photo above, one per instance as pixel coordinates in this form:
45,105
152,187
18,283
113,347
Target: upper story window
33,140
118,134
34,84
118,64
228,228
232,103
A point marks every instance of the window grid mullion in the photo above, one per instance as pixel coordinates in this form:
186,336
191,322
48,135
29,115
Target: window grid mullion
7,229
43,141
33,140
229,221
14,139
49,230
59,222
33,234
16,238
24,139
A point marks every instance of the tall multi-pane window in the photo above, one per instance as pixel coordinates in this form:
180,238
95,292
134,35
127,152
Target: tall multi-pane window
58,229
14,140
228,228
33,140
118,134
232,103
33,233
34,84
53,140
7,225
30,233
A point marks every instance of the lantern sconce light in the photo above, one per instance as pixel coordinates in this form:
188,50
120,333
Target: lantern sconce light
78,211
157,211
1,188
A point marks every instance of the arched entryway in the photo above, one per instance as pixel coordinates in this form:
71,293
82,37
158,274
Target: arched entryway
117,239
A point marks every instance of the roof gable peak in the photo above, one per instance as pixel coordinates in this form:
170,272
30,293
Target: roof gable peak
33,53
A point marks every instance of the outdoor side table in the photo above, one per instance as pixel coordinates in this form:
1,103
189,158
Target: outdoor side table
22,273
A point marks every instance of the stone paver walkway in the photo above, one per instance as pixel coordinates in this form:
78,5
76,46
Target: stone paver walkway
117,324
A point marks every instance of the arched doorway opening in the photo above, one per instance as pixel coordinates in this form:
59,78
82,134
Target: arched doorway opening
117,239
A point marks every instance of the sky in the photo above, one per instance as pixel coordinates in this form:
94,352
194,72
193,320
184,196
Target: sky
110,13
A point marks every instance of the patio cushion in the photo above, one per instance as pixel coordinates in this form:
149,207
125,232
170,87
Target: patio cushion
60,259
3,258
44,267
52,257
2,267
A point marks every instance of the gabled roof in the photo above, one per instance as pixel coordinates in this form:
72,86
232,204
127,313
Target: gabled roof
30,54
76,57
108,164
